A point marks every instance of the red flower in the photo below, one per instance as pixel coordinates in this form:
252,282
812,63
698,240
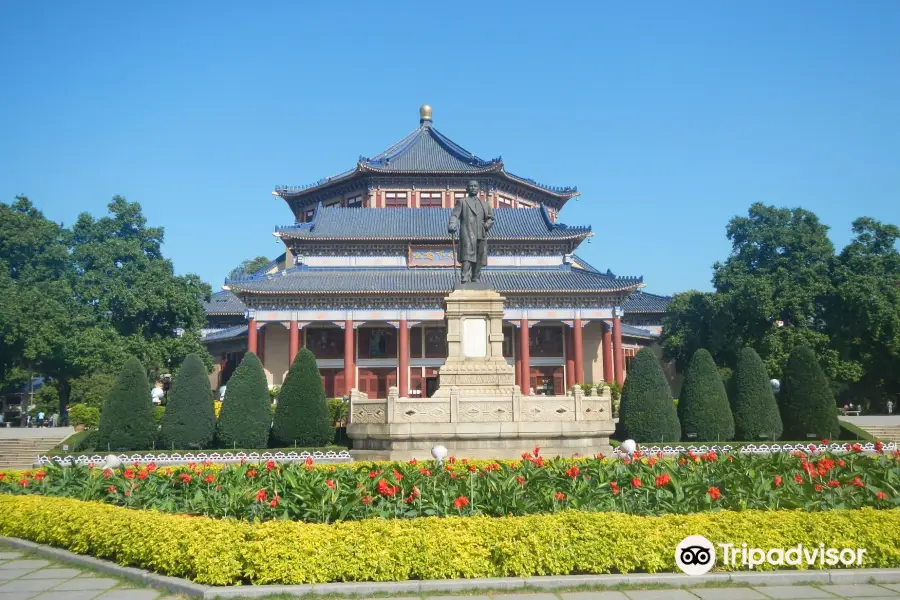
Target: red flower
111,489
714,493
425,472
521,480
472,468
599,456
2,476
386,489
218,487
367,500
857,482
461,502
879,447
881,496
128,473
572,472
185,478
560,496
778,480
412,462
651,461
270,465
40,475
662,480
711,456
274,501
261,496
374,474
151,467
841,463
23,482
614,487
251,473
127,493
834,483
397,475
819,487
636,482
309,461
107,473
209,479
536,451
143,474
825,441
330,483
857,447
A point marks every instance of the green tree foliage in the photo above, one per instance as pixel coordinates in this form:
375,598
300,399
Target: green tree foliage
783,286
248,267
756,415
646,412
863,311
189,420
703,407
806,401
126,421
90,390
74,301
245,417
302,415
81,414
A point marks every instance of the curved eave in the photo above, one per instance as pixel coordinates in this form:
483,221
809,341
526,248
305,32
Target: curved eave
224,314
287,193
420,292
563,195
492,168
285,235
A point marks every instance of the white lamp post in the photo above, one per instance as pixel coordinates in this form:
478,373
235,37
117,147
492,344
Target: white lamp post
628,447
439,453
112,462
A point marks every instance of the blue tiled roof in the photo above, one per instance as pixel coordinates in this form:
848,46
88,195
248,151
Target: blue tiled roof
425,224
632,331
426,150
224,303
642,302
321,280
226,334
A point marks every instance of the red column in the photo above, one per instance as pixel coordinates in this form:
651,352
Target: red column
607,354
403,359
251,336
293,342
618,352
525,383
517,352
579,351
570,359
262,345
349,353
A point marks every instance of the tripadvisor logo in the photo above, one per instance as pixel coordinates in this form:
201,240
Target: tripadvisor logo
696,555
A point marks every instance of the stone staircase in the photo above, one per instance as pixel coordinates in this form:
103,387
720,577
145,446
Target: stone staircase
21,452
885,433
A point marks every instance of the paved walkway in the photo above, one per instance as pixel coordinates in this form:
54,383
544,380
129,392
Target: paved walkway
24,577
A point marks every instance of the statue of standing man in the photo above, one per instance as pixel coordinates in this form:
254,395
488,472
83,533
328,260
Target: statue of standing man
472,217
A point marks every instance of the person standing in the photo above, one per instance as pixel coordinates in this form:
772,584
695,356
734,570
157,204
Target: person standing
890,407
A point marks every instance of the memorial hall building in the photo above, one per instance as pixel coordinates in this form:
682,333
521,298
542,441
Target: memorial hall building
368,262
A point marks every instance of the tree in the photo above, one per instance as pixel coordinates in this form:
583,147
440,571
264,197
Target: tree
703,407
126,421
245,416
863,311
806,402
129,286
647,413
248,267
189,420
302,415
756,415
90,390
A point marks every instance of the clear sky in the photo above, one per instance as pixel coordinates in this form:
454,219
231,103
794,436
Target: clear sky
670,117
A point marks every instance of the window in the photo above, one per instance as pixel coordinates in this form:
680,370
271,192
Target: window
396,199
309,215
523,204
435,342
377,342
354,202
457,196
333,203
504,202
430,199
415,342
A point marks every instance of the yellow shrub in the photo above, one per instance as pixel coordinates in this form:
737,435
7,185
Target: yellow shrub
220,552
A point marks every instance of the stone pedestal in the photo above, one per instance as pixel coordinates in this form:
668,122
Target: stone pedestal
478,411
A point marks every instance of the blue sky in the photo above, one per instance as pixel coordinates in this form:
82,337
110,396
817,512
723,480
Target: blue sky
669,117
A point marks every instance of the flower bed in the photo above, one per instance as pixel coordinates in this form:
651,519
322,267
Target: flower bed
326,493
226,551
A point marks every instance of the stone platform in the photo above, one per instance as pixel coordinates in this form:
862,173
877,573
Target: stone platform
478,411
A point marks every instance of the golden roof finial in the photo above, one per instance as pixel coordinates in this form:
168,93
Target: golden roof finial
424,113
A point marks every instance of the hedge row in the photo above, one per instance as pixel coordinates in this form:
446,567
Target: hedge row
222,552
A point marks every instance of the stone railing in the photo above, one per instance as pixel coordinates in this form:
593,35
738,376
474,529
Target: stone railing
177,458
868,447
572,407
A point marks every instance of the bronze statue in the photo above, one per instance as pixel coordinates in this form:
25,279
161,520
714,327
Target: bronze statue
472,217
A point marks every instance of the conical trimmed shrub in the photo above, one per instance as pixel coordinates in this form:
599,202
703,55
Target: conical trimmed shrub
646,412
753,405
190,420
703,407
807,404
126,422
245,417
302,417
